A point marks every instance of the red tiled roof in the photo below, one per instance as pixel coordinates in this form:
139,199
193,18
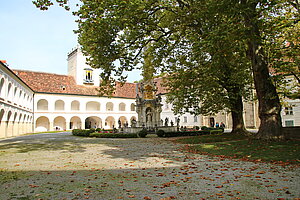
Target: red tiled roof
159,84
63,84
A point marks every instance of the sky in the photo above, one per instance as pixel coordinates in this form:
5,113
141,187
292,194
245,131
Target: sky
37,40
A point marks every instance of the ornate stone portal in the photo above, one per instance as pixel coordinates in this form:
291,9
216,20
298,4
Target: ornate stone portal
148,105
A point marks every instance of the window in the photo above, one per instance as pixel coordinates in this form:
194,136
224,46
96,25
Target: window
122,107
132,107
195,118
88,78
184,119
289,123
288,110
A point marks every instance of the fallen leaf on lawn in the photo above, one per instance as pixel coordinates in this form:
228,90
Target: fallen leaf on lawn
261,172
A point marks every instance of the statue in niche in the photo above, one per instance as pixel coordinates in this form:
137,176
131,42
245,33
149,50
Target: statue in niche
172,123
166,121
178,121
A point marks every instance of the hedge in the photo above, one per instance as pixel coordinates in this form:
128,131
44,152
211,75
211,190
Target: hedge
83,132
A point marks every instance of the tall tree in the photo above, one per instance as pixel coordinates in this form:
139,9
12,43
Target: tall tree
120,29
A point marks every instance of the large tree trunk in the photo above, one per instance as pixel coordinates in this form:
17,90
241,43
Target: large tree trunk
269,104
238,125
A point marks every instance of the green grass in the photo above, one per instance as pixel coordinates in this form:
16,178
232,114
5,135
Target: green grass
235,146
44,132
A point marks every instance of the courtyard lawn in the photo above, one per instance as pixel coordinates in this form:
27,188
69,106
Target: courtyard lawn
45,132
241,147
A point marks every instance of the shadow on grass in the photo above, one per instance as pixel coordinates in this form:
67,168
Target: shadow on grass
235,146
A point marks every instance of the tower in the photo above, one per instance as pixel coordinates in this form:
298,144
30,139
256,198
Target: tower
82,73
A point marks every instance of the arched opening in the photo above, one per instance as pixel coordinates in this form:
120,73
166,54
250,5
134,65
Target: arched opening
132,107
1,115
15,124
20,97
133,121
15,94
75,105
1,87
2,125
9,91
93,122
122,107
122,122
42,104
93,106
42,124
9,124
75,123
110,123
59,105
59,123
212,122
109,106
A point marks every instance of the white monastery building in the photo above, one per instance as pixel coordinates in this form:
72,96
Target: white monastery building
39,101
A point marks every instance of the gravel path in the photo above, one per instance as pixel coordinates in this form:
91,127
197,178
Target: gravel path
61,166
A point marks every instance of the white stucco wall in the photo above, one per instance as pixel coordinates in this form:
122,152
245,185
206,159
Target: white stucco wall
83,113
16,105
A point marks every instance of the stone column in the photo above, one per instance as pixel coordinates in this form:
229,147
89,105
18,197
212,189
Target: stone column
51,128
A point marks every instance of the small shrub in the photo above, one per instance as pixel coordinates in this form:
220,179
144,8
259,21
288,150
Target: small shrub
98,129
82,132
160,133
143,133
204,128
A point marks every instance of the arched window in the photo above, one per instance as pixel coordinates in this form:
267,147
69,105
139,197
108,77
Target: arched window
42,104
88,78
15,94
42,124
59,105
122,107
93,106
109,106
9,91
75,105
132,107
1,87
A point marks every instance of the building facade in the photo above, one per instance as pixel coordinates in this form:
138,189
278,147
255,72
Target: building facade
38,101
16,104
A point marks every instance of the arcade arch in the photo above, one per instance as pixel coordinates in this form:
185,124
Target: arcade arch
110,122
59,105
1,87
109,106
123,121
75,123
122,107
59,123
93,122
42,104
75,105
93,106
42,124
132,107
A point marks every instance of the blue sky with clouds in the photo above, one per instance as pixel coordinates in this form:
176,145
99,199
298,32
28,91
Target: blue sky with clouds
37,40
